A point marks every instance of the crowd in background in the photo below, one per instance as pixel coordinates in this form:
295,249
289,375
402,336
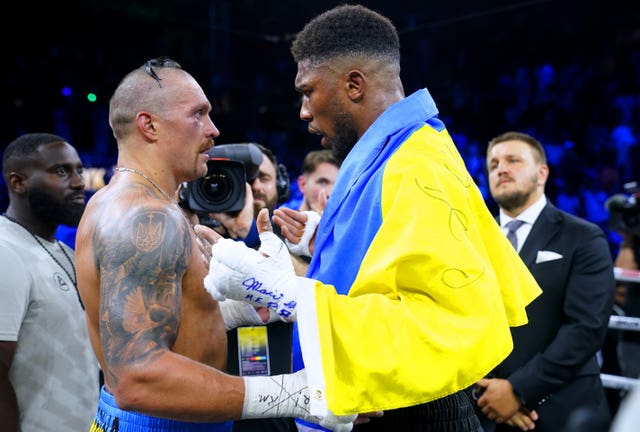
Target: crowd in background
567,72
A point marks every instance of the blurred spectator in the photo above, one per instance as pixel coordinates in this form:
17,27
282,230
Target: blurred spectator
319,172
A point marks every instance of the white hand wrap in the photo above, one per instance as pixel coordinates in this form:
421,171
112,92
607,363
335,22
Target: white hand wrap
302,247
238,313
241,273
286,396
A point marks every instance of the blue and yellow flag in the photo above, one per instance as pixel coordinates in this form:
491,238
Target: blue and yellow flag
431,284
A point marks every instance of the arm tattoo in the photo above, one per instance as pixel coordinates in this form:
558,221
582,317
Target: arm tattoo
142,259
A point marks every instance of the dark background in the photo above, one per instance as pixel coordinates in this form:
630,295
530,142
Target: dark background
566,71
555,68
238,50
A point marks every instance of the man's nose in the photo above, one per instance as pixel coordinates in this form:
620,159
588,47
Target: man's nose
77,180
305,113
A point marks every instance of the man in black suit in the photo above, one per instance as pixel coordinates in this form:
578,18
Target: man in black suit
552,377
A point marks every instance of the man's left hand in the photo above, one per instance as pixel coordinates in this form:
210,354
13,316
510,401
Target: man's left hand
263,278
498,401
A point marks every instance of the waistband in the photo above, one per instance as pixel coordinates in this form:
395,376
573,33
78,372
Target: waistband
110,418
452,413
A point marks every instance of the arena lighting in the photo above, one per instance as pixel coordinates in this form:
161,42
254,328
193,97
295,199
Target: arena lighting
66,91
91,97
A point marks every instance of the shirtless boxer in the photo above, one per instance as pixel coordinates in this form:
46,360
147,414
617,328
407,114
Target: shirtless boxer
157,333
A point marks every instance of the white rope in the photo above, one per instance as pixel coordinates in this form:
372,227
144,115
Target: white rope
626,275
618,382
619,322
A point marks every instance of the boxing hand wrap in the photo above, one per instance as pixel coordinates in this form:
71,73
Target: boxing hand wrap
238,313
302,247
261,278
287,396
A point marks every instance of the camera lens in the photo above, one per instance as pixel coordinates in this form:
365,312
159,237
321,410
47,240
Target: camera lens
217,187
221,190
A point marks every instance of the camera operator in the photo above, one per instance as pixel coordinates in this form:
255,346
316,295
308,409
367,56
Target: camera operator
628,258
269,187
624,218
266,188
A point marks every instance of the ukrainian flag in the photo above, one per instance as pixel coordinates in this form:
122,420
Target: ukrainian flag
431,284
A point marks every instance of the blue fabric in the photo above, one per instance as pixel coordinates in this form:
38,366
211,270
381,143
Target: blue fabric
110,418
252,239
67,235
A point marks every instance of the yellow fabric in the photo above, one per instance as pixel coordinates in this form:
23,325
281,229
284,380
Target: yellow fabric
451,286
95,427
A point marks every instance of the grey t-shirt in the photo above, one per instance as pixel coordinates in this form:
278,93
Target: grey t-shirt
54,371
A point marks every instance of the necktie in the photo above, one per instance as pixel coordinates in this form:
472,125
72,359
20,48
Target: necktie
512,227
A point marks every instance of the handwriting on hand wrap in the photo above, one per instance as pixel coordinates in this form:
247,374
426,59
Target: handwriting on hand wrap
252,284
253,287
282,400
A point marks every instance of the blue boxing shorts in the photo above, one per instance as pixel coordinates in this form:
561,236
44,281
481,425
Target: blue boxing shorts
110,418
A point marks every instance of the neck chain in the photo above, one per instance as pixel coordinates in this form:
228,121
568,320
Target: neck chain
154,184
73,279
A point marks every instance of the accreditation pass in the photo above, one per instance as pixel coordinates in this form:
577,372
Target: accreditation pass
253,351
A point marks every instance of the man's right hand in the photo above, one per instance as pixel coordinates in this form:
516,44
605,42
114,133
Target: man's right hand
287,396
523,419
298,228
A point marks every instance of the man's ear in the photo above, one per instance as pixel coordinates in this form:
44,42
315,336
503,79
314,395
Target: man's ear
17,182
356,84
146,125
302,181
543,174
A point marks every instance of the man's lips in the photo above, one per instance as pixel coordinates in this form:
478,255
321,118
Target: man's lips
314,131
78,198
323,138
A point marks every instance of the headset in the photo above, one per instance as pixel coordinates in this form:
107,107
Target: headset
282,183
283,188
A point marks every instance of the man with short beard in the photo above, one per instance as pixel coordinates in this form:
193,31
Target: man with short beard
268,190
49,378
551,379
412,287
265,185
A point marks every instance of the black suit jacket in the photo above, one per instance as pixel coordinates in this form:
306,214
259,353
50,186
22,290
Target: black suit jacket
553,365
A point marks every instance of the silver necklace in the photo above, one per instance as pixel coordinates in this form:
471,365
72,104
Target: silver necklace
140,173
74,279
155,185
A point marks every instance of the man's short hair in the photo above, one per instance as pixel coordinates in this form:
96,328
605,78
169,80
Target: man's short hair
347,30
20,150
536,146
135,92
317,157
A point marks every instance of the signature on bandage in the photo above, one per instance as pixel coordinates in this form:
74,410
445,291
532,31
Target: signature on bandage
253,285
274,402
258,295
